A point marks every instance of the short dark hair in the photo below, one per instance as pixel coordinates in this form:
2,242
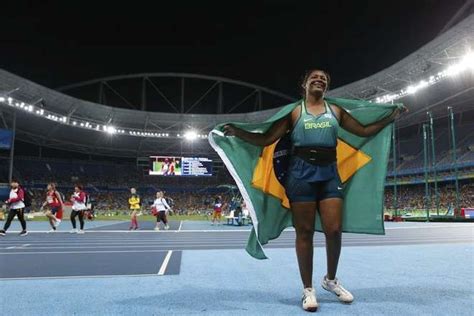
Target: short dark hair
79,186
308,73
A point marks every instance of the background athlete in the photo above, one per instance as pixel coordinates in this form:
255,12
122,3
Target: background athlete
217,212
162,207
134,204
55,205
16,207
78,200
313,183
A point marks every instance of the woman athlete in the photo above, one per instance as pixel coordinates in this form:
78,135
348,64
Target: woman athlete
55,204
78,200
134,204
313,182
162,207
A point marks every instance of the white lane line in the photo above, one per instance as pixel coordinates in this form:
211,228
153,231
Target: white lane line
238,246
180,225
164,265
77,252
79,276
142,231
433,226
463,225
176,243
19,247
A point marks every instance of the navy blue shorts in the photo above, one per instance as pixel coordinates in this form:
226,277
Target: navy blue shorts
301,191
54,209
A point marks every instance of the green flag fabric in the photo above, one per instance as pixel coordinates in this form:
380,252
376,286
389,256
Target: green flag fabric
362,165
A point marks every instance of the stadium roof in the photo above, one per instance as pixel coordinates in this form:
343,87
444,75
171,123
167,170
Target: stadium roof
111,129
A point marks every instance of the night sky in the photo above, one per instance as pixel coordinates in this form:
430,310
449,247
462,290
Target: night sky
268,43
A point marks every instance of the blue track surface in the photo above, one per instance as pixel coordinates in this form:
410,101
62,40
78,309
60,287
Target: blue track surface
416,269
397,280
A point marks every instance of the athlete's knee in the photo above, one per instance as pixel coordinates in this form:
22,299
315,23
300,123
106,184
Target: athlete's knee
305,232
333,232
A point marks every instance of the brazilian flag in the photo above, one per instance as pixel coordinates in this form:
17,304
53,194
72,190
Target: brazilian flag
260,173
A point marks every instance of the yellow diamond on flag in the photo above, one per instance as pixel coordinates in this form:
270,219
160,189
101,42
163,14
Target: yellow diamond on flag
349,160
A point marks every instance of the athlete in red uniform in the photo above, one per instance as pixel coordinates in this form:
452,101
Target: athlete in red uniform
55,205
217,214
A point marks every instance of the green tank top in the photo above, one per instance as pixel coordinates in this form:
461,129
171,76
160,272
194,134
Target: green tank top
315,130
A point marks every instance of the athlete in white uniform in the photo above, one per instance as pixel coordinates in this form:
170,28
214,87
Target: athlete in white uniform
162,207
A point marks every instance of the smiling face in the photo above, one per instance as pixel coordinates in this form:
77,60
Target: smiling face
316,83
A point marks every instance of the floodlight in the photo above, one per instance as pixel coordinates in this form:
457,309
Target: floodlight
190,135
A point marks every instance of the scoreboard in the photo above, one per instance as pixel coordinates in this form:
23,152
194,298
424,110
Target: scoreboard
180,166
196,166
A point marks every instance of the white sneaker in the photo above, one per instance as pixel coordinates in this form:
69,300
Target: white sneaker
310,304
167,227
81,231
157,228
73,231
58,221
335,287
52,230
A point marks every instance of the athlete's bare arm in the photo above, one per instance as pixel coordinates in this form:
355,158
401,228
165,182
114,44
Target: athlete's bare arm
276,131
353,126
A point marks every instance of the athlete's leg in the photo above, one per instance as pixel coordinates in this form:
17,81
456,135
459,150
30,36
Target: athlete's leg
134,219
158,219
304,214
10,217
163,218
51,219
330,211
73,219
21,217
81,219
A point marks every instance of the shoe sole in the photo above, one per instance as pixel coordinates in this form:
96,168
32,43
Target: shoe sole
311,310
336,295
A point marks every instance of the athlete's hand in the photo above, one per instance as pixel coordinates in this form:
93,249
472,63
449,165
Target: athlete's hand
399,111
230,130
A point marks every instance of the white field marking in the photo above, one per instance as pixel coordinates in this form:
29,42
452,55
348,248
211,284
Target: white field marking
437,226
144,231
180,225
210,241
81,276
239,230
224,247
78,252
164,265
125,243
19,247
242,243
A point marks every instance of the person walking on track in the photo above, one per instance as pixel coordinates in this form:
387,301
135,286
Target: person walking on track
16,207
